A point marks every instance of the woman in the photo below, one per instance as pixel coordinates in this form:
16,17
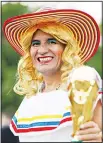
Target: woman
53,44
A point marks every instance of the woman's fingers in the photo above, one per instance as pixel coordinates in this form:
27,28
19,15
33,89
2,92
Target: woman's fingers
92,141
89,124
89,137
88,131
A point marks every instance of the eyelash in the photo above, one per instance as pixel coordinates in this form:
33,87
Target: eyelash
35,43
52,41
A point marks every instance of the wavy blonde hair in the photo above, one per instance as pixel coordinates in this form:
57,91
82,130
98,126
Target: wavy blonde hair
28,78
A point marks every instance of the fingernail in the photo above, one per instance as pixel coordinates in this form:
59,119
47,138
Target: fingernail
77,133
82,126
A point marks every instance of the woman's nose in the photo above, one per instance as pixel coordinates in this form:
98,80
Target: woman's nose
43,49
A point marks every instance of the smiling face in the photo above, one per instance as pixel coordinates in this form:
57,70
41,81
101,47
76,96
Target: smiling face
46,53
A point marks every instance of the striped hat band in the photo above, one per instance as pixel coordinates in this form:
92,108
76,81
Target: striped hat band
83,26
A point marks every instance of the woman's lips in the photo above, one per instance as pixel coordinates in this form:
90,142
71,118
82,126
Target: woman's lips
44,60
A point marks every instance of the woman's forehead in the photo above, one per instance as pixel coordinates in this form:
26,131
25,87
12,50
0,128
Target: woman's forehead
40,34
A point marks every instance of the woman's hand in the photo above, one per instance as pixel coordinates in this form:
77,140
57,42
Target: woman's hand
89,132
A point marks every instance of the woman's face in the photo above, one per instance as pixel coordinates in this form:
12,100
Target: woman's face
46,53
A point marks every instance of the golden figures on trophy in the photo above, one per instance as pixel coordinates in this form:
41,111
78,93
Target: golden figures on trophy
83,91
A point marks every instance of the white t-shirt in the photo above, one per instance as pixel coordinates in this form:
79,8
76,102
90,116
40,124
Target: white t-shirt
46,117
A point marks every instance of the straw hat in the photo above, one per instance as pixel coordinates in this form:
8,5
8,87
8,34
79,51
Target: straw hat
84,27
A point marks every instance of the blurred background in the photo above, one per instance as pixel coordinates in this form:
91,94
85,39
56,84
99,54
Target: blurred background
11,101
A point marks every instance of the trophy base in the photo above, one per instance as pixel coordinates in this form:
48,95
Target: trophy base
76,140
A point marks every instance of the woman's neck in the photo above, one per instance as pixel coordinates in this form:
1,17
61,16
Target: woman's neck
52,82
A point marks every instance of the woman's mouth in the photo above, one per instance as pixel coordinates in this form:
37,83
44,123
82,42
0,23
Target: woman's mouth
44,60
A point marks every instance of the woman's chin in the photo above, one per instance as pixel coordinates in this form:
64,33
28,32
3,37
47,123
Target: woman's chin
47,71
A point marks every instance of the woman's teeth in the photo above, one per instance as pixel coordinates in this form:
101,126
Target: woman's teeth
45,59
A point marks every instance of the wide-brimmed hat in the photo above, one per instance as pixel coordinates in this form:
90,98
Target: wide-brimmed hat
83,26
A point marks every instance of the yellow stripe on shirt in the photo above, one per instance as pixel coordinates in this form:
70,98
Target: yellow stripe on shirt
39,117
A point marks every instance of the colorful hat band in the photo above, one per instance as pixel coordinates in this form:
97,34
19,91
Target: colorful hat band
84,27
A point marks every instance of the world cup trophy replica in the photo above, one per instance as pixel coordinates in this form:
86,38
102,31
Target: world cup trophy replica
82,95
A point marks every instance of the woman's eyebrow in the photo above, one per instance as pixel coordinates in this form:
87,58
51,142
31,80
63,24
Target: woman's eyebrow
52,39
35,40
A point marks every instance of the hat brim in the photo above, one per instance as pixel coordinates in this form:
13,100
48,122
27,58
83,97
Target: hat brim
84,27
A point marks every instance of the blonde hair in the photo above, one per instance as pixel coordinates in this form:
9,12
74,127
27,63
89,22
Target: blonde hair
29,79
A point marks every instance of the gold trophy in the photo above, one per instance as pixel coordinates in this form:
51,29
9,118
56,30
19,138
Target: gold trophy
82,95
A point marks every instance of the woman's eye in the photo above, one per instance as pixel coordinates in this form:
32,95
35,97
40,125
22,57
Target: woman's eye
52,41
35,43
